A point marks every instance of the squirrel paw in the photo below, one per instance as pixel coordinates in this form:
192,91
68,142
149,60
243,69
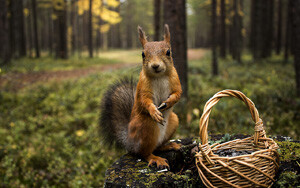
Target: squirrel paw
161,163
157,115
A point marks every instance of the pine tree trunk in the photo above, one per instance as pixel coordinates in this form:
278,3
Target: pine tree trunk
110,35
129,24
21,29
223,30
232,35
236,32
4,47
35,32
118,36
97,42
175,17
79,35
279,27
288,30
118,31
50,37
270,29
264,24
61,32
296,38
90,34
252,26
213,38
261,28
12,27
156,20
73,25
44,30
241,27
29,29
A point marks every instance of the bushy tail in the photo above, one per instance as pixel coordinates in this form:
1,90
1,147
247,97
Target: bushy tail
116,106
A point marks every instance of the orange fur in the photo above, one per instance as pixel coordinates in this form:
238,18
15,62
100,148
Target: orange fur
144,130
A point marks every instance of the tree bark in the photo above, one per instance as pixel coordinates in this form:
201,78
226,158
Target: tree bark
79,35
90,35
269,33
223,30
4,47
50,37
21,29
296,38
35,32
12,40
175,17
129,24
116,32
215,71
261,28
288,31
237,31
61,32
157,4
29,29
279,28
73,25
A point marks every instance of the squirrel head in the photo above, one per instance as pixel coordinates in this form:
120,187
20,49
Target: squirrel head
157,55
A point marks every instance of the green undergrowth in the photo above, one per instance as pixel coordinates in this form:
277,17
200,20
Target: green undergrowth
25,65
288,180
49,132
269,83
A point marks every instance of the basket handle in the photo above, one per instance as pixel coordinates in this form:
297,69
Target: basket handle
259,129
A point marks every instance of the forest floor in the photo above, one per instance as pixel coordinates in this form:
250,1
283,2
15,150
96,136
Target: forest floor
17,80
49,130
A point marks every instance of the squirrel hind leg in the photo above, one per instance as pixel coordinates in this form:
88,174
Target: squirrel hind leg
172,125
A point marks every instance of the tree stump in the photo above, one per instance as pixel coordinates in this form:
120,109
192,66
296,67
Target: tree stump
132,171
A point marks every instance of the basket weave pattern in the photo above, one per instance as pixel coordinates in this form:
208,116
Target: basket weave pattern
252,170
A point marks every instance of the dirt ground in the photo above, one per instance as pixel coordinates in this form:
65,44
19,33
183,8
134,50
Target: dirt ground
16,81
196,54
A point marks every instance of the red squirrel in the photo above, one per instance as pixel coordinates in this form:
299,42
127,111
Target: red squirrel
141,118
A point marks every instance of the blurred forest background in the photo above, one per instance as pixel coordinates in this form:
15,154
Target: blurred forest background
57,58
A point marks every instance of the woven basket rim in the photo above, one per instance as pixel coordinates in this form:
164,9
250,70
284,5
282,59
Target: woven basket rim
259,150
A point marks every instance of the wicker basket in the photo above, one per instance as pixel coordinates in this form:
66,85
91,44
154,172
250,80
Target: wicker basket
250,170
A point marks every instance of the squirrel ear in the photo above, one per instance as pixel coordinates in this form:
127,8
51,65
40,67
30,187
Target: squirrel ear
167,34
142,36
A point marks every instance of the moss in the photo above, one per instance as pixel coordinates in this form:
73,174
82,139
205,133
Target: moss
130,170
139,174
288,179
289,150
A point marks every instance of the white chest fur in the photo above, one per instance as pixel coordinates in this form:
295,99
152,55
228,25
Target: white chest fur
161,92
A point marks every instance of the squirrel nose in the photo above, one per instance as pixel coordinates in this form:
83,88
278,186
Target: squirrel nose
155,67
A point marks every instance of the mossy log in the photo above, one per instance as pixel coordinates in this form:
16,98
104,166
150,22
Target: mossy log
132,171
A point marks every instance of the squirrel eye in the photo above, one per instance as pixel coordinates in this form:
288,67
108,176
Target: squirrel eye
168,53
143,54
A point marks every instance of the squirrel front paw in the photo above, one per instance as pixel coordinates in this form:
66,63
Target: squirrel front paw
156,114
